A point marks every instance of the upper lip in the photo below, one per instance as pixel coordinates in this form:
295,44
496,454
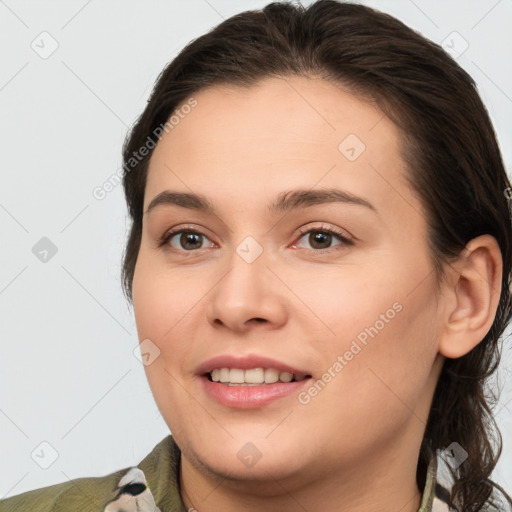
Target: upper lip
247,362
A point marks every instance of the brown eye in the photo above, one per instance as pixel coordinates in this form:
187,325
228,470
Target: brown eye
319,239
186,240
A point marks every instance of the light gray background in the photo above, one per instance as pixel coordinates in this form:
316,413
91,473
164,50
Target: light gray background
68,375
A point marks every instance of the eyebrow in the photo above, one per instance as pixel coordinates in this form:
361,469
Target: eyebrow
286,201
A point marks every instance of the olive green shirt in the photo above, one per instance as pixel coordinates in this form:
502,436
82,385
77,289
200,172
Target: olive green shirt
151,486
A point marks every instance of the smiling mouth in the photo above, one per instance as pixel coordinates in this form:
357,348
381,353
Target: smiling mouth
252,376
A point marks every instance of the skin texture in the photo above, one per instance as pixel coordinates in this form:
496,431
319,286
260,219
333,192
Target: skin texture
355,445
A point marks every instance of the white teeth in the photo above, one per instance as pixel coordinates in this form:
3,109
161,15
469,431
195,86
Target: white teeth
285,377
223,375
236,376
255,376
252,376
271,375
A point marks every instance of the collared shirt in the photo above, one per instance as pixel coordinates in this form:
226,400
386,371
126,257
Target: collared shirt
151,486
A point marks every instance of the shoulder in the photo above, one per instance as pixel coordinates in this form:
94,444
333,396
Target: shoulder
130,488
85,494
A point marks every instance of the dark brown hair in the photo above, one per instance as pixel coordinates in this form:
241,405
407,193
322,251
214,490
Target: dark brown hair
449,145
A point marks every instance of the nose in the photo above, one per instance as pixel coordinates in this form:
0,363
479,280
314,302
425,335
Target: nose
248,296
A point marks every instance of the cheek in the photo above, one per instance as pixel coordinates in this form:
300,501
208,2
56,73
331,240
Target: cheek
343,304
384,362
377,336
166,308
161,301
160,314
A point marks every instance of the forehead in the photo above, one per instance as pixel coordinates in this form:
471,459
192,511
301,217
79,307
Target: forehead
280,133
311,110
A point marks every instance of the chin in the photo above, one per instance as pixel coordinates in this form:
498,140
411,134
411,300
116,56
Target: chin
245,457
267,469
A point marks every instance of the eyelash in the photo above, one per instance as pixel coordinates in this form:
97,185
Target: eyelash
166,237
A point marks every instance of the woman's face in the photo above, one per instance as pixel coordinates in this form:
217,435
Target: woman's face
268,283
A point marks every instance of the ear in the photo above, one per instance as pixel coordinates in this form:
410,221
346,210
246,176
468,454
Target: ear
475,289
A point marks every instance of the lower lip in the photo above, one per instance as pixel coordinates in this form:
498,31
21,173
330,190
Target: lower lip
250,397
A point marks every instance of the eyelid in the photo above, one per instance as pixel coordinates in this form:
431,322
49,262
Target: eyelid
327,228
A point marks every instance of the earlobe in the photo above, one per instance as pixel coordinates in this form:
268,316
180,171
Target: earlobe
476,288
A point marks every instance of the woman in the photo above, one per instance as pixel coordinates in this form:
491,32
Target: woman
320,267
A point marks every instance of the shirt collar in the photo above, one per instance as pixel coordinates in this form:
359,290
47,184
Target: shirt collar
427,500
